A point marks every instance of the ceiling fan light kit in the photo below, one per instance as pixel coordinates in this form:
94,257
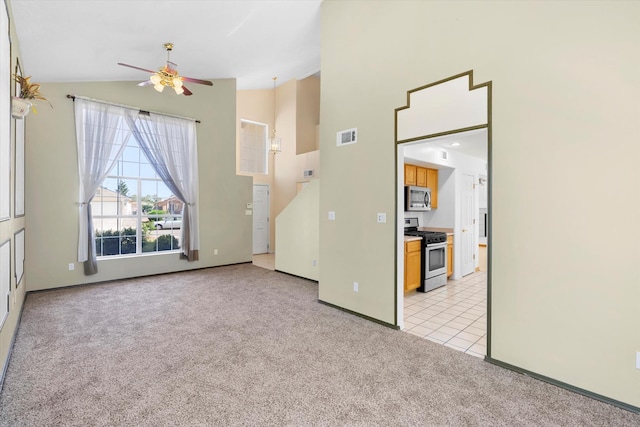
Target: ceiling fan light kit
167,76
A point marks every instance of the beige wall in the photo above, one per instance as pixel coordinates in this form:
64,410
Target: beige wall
308,106
257,106
9,227
284,183
297,109
564,113
52,183
297,234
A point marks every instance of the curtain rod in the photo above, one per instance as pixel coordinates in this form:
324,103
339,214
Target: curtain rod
73,97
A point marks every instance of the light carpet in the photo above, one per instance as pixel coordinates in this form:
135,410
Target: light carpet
245,346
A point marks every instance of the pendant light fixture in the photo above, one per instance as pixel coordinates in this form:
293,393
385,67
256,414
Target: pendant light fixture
275,144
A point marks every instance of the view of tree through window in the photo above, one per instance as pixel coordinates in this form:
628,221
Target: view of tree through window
133,210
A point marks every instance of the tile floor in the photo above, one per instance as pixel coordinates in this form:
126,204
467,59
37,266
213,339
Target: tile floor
454,315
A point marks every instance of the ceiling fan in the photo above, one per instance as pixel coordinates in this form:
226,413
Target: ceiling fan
167,76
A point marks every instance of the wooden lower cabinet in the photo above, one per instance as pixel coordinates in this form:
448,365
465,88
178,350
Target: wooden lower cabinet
412,260
449,255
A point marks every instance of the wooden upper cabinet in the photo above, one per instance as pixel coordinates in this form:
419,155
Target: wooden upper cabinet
432,183
421,176
409,174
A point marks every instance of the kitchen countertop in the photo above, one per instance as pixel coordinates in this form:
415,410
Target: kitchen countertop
411,238
449,231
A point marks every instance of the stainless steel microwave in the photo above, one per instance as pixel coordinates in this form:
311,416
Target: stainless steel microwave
417,198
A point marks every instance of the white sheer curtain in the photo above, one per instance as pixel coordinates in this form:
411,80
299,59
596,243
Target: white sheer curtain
102,131
170,144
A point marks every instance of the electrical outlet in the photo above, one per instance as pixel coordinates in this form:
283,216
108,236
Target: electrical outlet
332,216
72,266
314,263
215,252
382,218
355,286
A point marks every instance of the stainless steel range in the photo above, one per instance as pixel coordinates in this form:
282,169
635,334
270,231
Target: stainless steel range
434,255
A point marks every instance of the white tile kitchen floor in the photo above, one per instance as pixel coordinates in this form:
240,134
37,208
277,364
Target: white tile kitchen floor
454,315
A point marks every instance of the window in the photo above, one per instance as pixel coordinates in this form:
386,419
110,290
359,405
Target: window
254,148
118,147
133,211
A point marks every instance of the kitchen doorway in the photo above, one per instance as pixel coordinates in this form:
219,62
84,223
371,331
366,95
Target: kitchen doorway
430,124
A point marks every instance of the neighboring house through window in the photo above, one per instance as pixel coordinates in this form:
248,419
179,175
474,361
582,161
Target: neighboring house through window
130,207
128,162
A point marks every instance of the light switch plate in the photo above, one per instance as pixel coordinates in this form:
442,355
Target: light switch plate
382,218
332,216
638,360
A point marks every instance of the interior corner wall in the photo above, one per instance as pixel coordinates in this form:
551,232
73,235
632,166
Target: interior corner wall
555,292
284,163
52,183
13,225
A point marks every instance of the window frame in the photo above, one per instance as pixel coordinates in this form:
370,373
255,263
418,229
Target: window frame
243,147
139,216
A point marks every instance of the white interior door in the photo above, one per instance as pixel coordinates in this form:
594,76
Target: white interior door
467,253
260,219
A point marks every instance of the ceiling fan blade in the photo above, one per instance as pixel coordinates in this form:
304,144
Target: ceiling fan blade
145,83
192,80
137,68
186,92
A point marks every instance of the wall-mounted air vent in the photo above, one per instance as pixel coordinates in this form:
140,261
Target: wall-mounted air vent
308,173
346,137
444,155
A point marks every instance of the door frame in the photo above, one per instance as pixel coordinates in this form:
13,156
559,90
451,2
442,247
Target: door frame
398,290
472,227
268,210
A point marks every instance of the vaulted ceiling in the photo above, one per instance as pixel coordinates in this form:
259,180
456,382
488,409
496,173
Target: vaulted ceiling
250,40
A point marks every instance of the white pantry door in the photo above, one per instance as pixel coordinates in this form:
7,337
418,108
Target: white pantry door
260,219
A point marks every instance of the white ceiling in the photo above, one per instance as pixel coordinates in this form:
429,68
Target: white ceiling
472,143
250,40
